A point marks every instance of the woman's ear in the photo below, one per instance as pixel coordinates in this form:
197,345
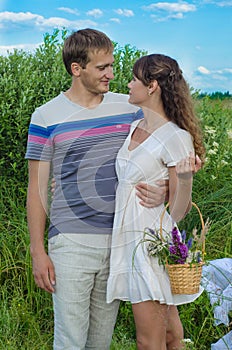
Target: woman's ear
152,87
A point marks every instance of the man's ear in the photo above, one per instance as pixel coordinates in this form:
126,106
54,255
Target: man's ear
75,68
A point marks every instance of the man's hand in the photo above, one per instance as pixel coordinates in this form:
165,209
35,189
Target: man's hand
53,186
152,196
44,273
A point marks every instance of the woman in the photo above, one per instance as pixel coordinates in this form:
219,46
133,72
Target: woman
167,133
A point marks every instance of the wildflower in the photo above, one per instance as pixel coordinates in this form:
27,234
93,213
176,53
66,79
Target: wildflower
175,236
209,130
223,162
190,243
229,133
212,152
215,144
172,249
183,235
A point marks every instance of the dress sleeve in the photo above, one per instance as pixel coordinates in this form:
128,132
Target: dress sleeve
177,146
39,142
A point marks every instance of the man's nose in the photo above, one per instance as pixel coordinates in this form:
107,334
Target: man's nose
110,73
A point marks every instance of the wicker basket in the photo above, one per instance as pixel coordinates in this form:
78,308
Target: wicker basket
185,278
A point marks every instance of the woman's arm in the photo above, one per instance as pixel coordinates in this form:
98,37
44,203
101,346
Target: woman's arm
152,196
180,187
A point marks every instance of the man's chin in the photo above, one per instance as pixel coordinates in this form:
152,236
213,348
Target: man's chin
105,89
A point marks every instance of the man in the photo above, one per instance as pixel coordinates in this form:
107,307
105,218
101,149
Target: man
76,136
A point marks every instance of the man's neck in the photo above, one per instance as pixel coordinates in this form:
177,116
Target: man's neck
84,99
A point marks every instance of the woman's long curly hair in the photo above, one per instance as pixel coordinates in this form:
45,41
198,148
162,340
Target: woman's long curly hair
175,94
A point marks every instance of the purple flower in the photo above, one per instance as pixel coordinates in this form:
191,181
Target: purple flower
178,250
190,243
175,235
183,249
151,230
183,235
173,250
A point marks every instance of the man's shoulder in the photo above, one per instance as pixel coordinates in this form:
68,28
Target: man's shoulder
55,102
116,97
120,99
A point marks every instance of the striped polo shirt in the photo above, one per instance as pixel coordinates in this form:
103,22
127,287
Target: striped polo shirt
82,145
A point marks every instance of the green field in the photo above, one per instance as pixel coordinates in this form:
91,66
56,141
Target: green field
28,80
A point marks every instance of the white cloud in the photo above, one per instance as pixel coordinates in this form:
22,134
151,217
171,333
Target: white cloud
174,10
171,7
166,18
17,17
212,80
223,3
28,18
4,49
95,13
223,71
69,10
125,12
203,70
227,3
116,20
227,70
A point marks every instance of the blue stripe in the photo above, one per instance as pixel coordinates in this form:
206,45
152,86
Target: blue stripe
37,130
92,123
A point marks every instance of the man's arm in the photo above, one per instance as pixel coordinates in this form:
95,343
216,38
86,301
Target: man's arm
152,196
43,269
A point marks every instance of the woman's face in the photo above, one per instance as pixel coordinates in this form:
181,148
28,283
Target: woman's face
138,92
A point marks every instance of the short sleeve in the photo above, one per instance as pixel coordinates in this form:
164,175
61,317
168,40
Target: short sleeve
39,143
177,146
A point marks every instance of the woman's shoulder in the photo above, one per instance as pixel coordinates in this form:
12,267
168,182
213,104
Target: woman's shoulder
177,130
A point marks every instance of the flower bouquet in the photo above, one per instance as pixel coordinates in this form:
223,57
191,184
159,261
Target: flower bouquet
182,260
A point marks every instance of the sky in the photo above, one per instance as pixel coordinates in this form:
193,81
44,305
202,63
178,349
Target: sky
197,33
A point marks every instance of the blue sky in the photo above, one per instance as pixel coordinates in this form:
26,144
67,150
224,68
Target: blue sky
196,33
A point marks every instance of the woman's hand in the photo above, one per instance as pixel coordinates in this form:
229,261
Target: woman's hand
188,166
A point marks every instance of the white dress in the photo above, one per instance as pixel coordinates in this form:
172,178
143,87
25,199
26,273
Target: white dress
141,278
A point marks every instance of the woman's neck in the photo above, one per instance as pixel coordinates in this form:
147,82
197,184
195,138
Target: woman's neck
153,117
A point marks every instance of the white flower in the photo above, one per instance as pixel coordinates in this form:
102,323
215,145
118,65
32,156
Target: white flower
212,152
209,130
215,144
229,133
223,162
187,340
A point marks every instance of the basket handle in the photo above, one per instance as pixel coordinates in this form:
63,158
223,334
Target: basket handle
201,219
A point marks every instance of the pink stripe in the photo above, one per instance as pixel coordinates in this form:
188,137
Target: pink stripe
92,132
39,139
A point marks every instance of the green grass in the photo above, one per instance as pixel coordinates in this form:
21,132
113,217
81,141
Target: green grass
26,320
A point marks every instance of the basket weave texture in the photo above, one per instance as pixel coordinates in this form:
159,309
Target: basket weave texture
185,278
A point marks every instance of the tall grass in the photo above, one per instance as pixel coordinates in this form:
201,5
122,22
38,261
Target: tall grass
26,316
26,320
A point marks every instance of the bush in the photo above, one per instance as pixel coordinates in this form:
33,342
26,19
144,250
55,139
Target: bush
29,80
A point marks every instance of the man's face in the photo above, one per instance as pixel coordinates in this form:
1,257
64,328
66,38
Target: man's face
96,76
